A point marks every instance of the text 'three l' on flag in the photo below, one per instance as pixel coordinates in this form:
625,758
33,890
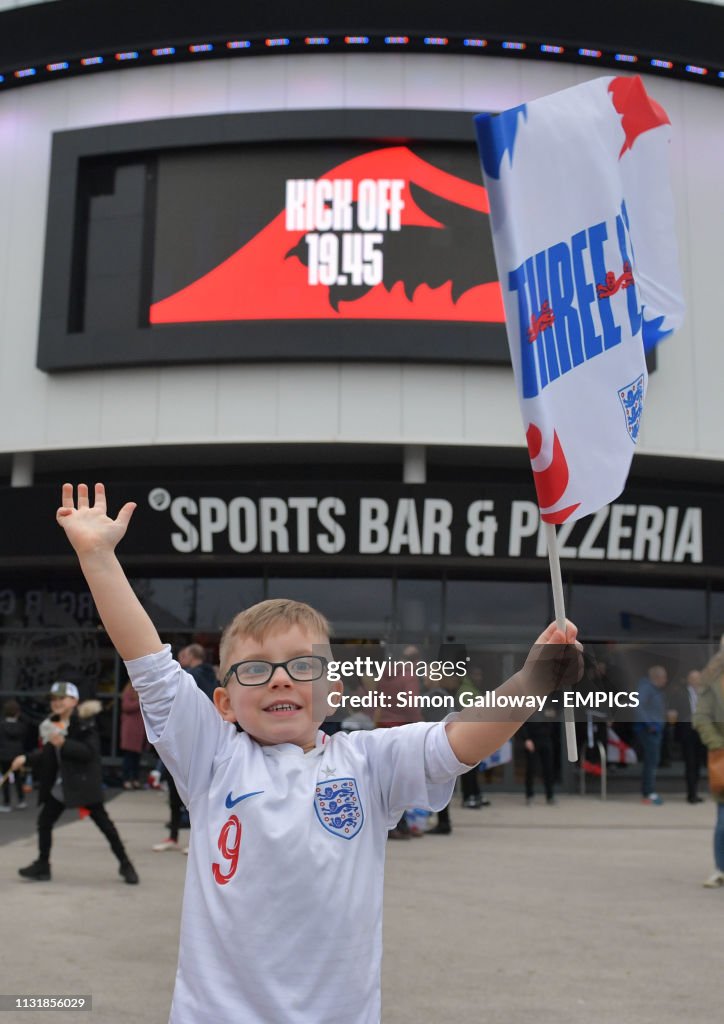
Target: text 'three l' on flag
583,229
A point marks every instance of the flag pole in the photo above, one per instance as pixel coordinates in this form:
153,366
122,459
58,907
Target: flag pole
559,608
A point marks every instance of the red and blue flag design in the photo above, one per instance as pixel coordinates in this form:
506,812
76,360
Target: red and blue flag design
584,235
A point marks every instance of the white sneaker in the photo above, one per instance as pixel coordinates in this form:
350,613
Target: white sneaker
21,806
167,844
714,881
4,808
185,851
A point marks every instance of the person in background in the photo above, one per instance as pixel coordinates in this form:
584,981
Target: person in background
472,795
682,703
193,659
538,733
393,682
709,723
649,729
190,658
446,688
133,737
12,743
593,729
68,769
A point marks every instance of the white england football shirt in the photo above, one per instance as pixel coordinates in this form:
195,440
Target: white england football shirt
282,909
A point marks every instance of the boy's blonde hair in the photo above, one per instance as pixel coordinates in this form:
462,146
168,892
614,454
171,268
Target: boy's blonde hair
272,616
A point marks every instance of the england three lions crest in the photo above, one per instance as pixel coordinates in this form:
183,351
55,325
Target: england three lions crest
632,400
339,807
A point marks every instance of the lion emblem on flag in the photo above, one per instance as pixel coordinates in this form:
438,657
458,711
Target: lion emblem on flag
632,400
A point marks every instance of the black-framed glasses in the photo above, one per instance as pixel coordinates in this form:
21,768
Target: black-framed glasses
304,669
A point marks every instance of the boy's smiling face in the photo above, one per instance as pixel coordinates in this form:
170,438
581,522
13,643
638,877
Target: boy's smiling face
281,710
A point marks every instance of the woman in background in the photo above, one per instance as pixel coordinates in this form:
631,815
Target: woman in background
133,737
709,723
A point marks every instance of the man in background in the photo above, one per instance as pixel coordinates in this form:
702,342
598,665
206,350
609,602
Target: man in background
193,659
649,728
682,705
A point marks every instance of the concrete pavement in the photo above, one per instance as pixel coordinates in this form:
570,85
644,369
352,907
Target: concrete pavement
585,911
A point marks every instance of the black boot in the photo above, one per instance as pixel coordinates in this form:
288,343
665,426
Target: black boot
38,871
128,873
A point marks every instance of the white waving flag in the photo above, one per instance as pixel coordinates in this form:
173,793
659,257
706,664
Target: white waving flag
583,229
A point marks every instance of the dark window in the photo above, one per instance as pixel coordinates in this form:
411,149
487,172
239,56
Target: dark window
492,610
171,603
218,601
628,612
357,608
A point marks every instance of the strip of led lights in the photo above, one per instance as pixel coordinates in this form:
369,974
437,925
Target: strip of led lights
212,49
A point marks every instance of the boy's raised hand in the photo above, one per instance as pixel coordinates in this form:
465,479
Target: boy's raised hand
94,536
555,660
88,527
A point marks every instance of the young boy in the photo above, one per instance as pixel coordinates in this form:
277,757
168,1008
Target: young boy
282,914
68,769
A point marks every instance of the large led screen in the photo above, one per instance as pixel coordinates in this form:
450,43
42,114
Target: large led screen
323,231
350,244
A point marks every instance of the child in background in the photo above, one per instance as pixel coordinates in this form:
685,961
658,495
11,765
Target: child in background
282,915
68,770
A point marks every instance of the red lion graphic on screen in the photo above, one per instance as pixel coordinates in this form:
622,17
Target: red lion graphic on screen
267,278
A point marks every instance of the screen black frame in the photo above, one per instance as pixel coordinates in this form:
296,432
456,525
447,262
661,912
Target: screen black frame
59,348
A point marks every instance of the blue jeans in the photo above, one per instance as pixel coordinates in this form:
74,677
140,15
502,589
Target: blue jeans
650,743
719,837
131,765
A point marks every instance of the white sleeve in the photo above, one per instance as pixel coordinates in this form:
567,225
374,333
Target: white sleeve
411,766
181,722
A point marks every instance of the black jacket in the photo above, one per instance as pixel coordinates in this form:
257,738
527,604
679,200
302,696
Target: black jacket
541,727
78,761
205,678
12,738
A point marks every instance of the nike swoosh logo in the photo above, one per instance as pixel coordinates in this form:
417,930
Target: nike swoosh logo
233,802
